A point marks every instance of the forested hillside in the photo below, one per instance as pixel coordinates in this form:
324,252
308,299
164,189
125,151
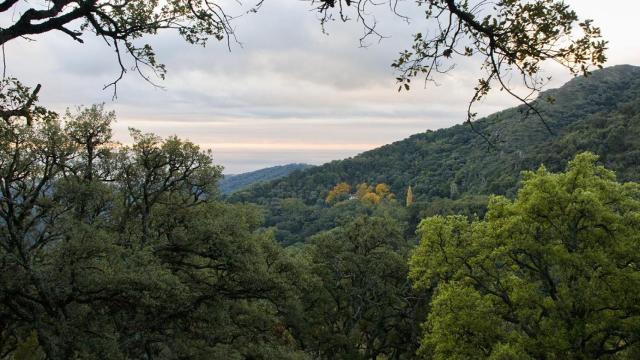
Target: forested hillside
233,183
453,170
129,253
451,244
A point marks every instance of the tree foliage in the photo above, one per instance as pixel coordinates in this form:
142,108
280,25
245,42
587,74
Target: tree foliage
511,39
121,24
552,274
111,251
362,305
115,251
340,192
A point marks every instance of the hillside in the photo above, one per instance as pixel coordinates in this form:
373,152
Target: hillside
232,183
454,169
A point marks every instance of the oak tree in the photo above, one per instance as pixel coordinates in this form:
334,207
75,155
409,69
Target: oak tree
554,273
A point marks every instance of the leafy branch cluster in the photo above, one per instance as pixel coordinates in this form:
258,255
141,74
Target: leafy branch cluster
121,24
512,38
126,252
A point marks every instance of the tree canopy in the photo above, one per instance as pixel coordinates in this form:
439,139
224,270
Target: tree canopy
117,252
552,274
362,305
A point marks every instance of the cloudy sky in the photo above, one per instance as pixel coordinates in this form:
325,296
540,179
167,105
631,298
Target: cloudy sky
289,93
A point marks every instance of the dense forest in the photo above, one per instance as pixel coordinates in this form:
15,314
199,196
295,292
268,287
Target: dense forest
454,170
231,183
515,236
112,251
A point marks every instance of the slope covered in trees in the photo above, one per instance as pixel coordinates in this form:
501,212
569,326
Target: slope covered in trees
453,170
232,183
111,251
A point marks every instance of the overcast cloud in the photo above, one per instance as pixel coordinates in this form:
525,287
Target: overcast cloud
289,94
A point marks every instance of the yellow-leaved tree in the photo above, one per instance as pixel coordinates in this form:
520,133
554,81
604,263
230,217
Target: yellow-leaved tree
409,200
339,192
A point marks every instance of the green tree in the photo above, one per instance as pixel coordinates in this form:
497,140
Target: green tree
360,305
90,129
127,253
25,349
552,274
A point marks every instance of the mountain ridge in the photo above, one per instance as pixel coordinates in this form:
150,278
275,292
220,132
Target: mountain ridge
531,128
599,113
232,183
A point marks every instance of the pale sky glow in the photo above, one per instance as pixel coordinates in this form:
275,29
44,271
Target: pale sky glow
290,93
289,146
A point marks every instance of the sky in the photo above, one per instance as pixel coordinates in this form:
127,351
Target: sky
288,92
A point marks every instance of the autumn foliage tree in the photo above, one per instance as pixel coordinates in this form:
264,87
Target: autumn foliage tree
339,192
409,199
364,192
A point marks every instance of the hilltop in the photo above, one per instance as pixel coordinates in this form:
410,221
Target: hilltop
454,168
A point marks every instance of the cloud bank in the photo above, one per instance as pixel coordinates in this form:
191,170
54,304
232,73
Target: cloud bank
288,93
